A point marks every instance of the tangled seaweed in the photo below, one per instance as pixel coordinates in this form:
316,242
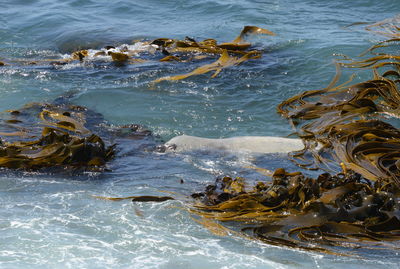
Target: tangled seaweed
342,211
57,137
186,50
343,127
345,124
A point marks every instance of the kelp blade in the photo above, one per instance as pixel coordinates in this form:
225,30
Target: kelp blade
223,62
251,30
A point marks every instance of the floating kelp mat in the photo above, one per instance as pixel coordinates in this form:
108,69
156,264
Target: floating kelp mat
331,214
40,136
355,204
162,50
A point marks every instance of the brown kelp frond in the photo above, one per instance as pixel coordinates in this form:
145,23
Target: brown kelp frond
385,53
388,27
210,46
344,124
223,62
50,136
378,95
239,44
376,62
63,121
327,214
371,148
251,30
384,57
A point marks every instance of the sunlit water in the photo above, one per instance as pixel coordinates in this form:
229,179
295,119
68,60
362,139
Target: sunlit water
53,220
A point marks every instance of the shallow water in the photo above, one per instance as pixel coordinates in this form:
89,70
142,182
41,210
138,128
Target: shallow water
53,221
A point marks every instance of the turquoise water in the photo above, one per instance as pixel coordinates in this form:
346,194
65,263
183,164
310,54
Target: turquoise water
52,220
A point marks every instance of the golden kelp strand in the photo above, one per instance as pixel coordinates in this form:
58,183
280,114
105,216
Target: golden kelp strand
223,62
388,27
210,46
63,122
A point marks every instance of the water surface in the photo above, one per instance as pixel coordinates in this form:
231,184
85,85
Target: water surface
52,220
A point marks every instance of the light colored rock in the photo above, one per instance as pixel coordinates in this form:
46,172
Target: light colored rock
251,144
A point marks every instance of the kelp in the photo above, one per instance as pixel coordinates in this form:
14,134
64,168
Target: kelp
171,50
388,27
344,124
44,135
329,214
355,204
210,46
223,62
336,123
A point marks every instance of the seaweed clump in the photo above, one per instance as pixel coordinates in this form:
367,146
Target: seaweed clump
169,50
42,136
348,132
341,211
350,126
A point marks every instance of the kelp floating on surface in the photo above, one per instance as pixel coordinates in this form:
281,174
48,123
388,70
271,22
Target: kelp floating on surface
357,204
210,46
342,125
43,135
329,214
187,50
345,125
389,27
223,62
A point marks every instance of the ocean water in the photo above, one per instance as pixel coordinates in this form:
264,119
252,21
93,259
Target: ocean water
52,220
